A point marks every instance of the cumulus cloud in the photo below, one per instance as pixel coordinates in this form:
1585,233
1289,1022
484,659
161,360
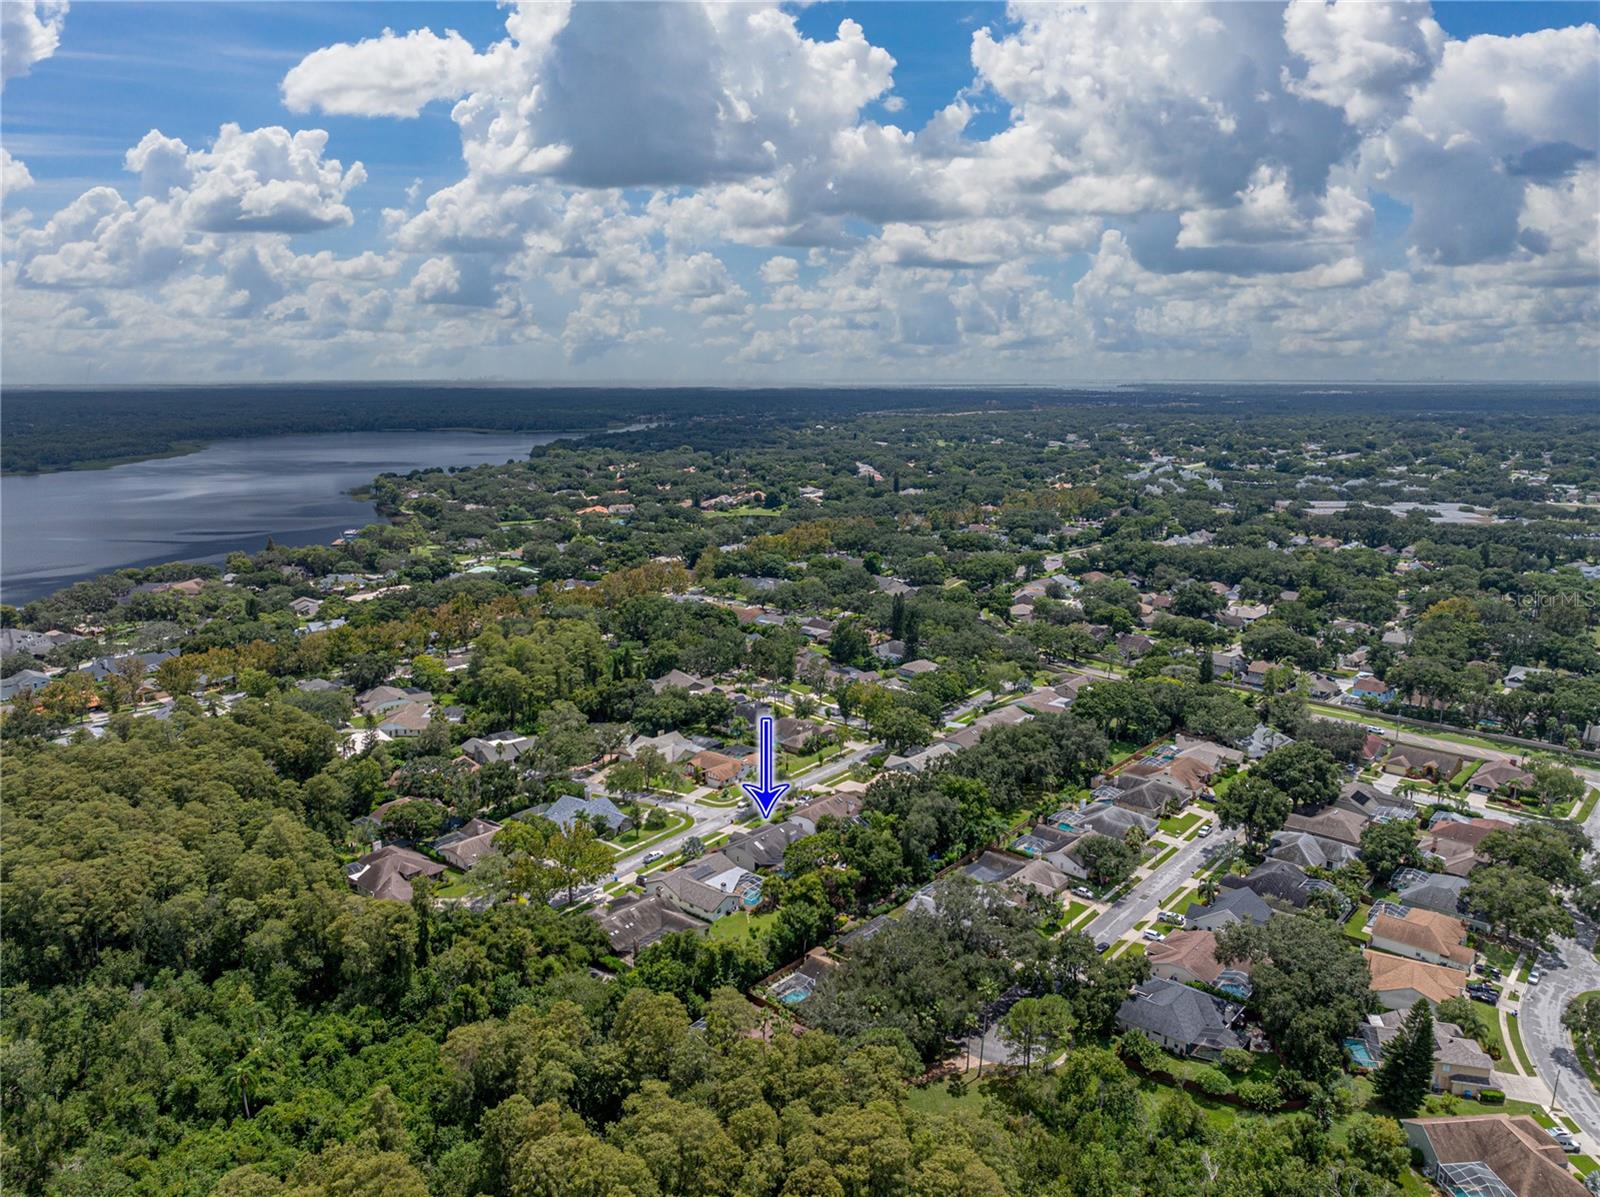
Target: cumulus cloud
14,174
30,31
1173,187
386,75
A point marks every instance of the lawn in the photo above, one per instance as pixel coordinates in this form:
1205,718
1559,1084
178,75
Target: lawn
638,837
1182,823
1162,859
1516,1045
740,925
1496,1045
1356,925
1502,957
734,512
1075,910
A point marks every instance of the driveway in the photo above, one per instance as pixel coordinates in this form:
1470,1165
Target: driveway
1146,897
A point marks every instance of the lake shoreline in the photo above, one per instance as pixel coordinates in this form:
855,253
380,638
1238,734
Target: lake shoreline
186,448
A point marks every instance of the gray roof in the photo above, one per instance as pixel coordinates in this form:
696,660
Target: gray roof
1229,907
1182,1014
564,811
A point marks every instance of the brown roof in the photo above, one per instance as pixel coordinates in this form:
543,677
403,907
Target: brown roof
1192,951
1472,833
1521,1154
1331,822
1427,931
1432,981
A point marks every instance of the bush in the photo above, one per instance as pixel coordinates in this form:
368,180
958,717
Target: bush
1260,1095
1139,1049
1491,1097
1237,1059
1213,1083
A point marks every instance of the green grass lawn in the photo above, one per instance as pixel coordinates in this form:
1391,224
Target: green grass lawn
1356,925
1182,823
639,838
1496,1044
740,925
1075,910
735,512
1516,1045
1502,957
1162,859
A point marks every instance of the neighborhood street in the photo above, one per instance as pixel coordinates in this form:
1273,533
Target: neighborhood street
1147,895
1563,975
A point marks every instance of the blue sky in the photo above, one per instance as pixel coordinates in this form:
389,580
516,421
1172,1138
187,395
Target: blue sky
1140,227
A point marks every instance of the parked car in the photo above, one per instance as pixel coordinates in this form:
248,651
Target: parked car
1205,830
1169,916
1533,977
1083,891
1484,993
652,857
1565,1139
1153,935
1489,970
1102,947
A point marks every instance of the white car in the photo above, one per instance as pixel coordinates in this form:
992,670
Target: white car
1083,891
1533,977
1154,936
652,857
1205,830
1168,916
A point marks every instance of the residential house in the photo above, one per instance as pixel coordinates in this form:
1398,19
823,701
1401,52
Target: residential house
1399,983
1134,644
1322,688
920,760
386,698
841,806
794,734
305,608
1184,1020
23,679
634,923
1229,907
1423,935
1492,1155
467,844
677,679
915,669
1330,823
673,746
566,810
386,872
763,848
1424,763
1454,856
1367,688
1497,777
1438,892
1281,885
1190,958
1152,796
1460,1066
500,746
717,768
1372,803
708,887
1255,673
1309,851
1262,740
1111,820
401,722
890,651
1467,831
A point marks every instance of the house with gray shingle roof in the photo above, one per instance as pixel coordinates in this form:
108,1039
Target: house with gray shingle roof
1184,1020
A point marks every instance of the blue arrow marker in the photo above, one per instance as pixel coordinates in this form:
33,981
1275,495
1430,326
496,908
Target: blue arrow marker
766,793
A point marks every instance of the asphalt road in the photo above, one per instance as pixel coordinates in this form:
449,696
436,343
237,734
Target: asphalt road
1569,971
1146,897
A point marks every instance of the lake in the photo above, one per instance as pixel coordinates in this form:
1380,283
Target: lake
59,528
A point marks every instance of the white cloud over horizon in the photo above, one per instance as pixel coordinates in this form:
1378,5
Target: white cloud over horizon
701,192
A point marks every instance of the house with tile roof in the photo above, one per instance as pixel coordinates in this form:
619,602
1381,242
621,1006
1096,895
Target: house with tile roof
1400,983
1189,957
386,873
1492,1155
634,923
1423,935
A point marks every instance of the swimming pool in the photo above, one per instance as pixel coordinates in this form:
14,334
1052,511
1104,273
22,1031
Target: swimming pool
1360,1053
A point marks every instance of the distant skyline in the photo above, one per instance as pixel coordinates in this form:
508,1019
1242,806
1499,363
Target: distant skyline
877,193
